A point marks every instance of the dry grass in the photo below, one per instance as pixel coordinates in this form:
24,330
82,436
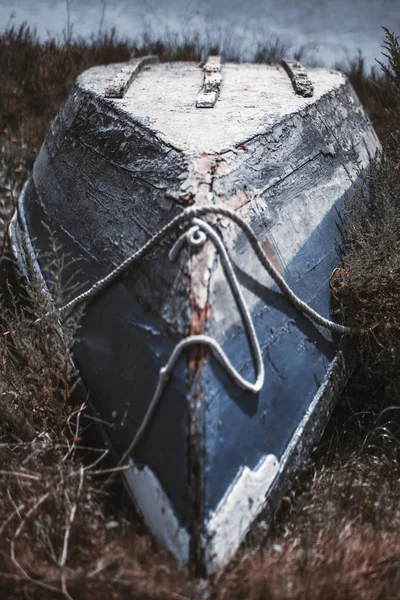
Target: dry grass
367,286
338,532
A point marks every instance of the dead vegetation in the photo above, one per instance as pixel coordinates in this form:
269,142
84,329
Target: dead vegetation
61,535
367,285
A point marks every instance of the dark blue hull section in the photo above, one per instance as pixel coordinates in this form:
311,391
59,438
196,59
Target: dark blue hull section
241,428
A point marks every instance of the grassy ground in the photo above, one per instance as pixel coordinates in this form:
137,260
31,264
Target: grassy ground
338,532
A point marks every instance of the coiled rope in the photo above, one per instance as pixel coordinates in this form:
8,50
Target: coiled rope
196,236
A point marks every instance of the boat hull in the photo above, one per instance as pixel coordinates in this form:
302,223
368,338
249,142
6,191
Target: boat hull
214,456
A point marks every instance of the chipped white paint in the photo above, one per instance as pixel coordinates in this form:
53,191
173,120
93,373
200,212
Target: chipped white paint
275,157
196,186
247,495
237,510
157,511
142,484
232,520
301,215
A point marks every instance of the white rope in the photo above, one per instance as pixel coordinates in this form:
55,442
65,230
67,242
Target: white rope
196,237
166,371
248,323
185,216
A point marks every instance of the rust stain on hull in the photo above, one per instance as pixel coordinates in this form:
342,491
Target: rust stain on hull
198,186
269,250
199,317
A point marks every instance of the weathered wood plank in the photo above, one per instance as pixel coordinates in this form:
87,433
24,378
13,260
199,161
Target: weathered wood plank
301,82
123,79
211,87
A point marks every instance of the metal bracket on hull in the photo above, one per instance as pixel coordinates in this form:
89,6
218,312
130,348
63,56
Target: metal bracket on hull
211,87
125,76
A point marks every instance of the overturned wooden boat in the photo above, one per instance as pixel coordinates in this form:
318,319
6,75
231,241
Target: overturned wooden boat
211,378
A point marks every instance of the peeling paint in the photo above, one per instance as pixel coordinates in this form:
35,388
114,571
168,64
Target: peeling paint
157,511
242,503
197,183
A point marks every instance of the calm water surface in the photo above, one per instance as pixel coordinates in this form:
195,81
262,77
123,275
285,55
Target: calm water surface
333,29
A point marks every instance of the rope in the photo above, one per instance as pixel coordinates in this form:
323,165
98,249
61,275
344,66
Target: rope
164,377
196,237
187,215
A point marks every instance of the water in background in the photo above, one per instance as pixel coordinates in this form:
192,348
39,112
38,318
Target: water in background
332,30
